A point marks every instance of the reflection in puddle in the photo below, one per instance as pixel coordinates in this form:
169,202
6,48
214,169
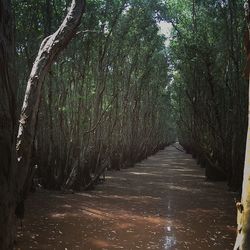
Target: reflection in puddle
170,239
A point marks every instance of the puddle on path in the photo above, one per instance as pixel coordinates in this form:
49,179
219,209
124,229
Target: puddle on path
162,203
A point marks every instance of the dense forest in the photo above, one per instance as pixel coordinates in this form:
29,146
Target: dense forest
104,88
114,73
210,92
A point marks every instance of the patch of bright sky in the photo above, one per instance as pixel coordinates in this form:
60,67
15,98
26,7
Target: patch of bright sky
165,29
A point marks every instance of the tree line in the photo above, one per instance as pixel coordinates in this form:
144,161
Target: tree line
210,91
103,95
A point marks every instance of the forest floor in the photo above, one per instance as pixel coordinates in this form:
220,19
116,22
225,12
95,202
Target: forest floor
164,202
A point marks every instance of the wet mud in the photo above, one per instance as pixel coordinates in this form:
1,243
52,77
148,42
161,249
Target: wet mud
163,202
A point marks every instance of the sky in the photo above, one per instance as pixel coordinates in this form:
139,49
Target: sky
165,29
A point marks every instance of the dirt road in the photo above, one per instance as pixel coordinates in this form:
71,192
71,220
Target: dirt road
163,202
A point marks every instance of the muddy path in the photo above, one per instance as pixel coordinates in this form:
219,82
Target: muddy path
163,202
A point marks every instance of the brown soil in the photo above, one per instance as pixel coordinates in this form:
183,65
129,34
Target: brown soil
163,202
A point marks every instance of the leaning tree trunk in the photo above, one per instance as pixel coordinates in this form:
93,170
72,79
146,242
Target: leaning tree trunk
243,207
7,128
49,50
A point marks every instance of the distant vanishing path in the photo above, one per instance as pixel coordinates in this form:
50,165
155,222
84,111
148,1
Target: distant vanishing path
163,202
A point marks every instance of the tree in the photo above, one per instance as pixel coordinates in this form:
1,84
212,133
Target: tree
49,50
243,207
7,127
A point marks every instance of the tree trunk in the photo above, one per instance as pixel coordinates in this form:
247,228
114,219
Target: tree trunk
243,207
49,49
7,128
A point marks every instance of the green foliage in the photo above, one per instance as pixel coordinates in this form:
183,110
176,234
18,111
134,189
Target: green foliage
210,93
105,101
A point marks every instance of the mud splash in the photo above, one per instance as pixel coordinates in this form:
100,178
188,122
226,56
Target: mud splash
162,203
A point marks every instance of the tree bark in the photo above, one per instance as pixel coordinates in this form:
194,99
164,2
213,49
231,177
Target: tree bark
49,50
243,207
7,128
